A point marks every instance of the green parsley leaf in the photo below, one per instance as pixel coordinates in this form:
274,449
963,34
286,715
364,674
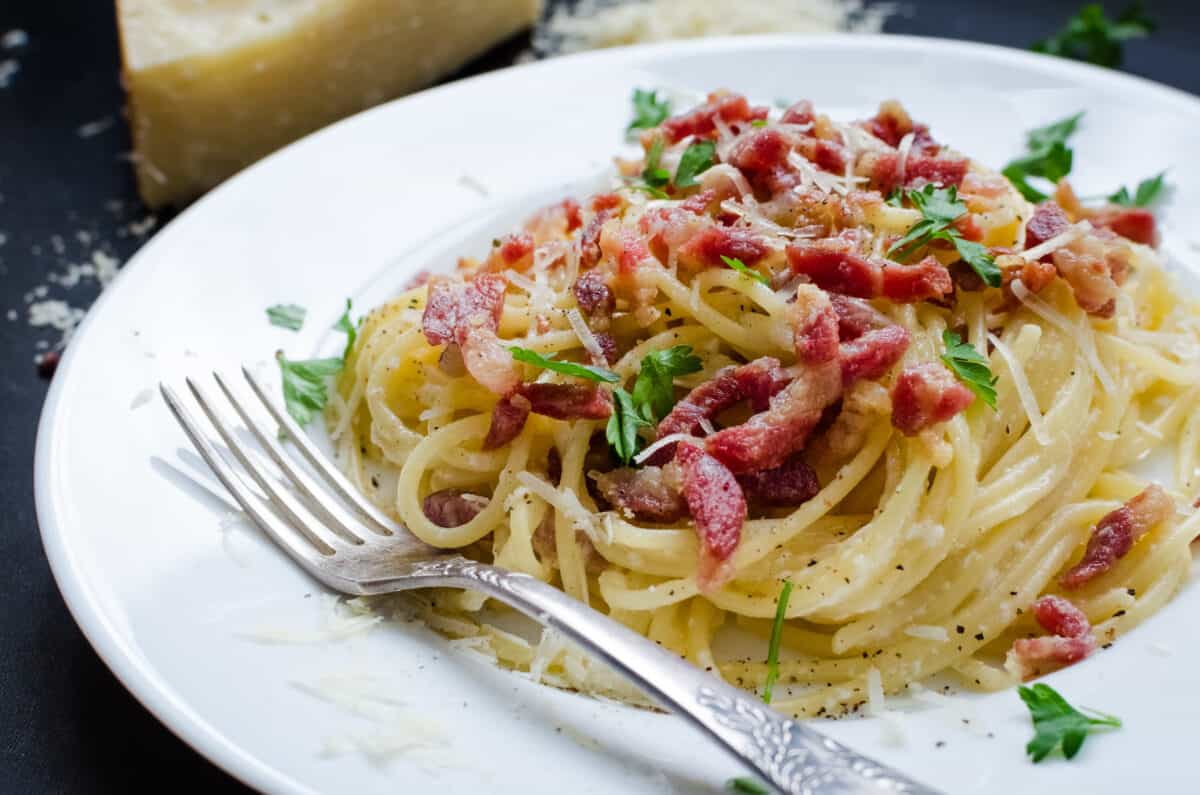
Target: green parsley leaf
654,389
305,389
648,110
746,786
1056,723
970,366
1047,156
1146,193
896,197
776,634
623,424
745,270
288,316
759,123
653,174
1092,37
345,324
696,159
585,371
940,207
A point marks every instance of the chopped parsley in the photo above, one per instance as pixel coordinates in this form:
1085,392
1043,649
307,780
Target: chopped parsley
896,197
1056,723
1146,193
648,110
940,207
745,270
654,390
776,635
288,316
1092,37
1047,157
305,381
585,371
697,158
759,123
970,366
746,786
305,387
622,430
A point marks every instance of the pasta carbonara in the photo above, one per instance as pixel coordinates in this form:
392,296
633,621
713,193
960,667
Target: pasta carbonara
787,349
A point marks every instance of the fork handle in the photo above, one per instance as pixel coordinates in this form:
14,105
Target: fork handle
793,757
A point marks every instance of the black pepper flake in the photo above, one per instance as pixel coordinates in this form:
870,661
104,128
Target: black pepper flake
899,567
940,744
1106,646
812,562
1131,591
960,629
978,636
1118,614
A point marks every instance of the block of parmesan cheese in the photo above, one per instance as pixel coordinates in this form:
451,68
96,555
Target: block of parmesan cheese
214,85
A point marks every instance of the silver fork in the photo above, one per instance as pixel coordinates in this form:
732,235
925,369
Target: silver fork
346,543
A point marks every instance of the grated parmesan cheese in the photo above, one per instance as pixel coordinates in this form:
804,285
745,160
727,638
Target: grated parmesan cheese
927,632
1082,340
1056,242
671,438
586,337
565,501
1021,384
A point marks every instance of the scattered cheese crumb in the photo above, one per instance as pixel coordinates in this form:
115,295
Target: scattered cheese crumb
93,128
141,399
8,68
467,181
14,39
1159,649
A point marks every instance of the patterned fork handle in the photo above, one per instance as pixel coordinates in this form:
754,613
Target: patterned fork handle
793,757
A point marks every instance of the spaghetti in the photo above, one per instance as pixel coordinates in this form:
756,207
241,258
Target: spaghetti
786,349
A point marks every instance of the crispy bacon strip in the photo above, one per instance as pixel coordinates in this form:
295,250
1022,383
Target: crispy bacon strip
568,401
595,299
452,507
1070,641
814,325
834,266
791,483
1048,221
705,248
1094,267
700,121
925,395
718,507
514,252
756,381
1132,223
762,157
883,169
650,493
1114,535
873,354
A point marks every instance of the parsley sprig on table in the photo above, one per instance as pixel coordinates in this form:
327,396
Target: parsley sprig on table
776,637
746,786
288,316
1092,37
970,366
648,110
1047,157
652,398
940,208
1058,724
306,381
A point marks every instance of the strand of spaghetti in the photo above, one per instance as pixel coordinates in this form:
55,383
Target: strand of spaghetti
1147,360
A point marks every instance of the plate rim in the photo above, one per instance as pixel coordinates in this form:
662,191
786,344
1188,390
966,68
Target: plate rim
152,691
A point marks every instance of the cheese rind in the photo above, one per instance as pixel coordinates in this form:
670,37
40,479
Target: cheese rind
214,85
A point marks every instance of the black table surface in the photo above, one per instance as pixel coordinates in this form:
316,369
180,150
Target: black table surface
66,724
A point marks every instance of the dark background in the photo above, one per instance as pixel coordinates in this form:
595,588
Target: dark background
66,725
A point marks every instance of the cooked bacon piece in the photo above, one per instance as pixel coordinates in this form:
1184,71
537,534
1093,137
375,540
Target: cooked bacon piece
699,203
705,249
756,381
1071,639
608,344
1115,534
1036,275
767,439
606,201
791,483
890,124
595,299
762,157
907,284
873,354
925,395
555,221
799,113
568,401
700,121
1048,221
718,507
883,169
514,252
508,420
968,227
468,315
604,206
452,507
450,306
834,266
825,155
856,317
627,248
1094,266
649,493
814,325
1132,223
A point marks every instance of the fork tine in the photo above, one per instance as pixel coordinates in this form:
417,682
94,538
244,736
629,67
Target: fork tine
279,498
338,516
379,521
256,507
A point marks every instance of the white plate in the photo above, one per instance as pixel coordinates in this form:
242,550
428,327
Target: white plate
166,596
